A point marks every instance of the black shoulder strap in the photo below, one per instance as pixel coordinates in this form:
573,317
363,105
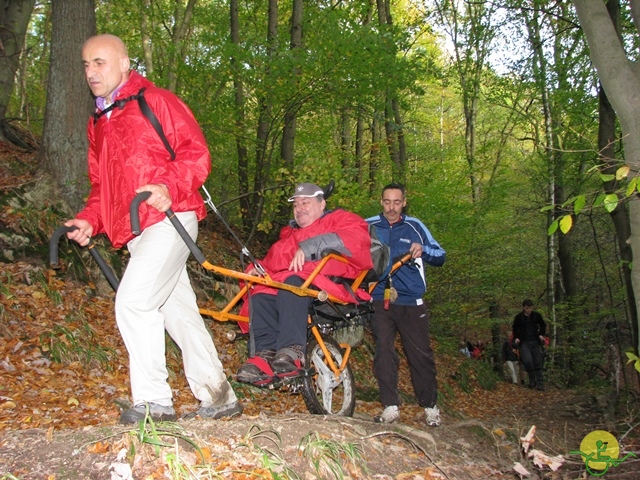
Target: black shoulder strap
146,111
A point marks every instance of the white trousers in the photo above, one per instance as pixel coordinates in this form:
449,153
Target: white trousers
155,294
512,368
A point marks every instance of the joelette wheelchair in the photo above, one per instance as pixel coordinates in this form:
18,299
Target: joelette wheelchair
326,383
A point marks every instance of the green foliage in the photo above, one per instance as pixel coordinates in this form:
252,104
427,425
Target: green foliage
472,372
147,432
76,341
329,456
271,460
464,376
486,375
633,359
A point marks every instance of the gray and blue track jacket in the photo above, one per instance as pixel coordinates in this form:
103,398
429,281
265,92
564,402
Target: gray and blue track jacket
410,280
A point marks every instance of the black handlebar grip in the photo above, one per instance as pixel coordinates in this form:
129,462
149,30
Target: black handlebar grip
134,211
54,259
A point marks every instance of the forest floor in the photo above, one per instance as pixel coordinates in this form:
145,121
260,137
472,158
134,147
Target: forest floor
64,378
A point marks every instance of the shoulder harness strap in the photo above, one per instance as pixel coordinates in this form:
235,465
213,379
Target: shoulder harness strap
146,111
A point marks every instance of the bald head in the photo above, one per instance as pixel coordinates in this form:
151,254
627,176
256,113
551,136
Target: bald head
106,64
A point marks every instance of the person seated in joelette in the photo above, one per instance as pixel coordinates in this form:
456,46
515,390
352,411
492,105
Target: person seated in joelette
279,318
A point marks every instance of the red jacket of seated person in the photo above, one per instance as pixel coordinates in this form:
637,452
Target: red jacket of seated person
353,233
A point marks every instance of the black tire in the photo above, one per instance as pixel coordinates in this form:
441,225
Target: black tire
341,394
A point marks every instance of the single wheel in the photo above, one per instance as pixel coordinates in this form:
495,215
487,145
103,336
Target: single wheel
323,393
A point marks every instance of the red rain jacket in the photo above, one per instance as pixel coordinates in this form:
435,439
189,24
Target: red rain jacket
125,153
354,233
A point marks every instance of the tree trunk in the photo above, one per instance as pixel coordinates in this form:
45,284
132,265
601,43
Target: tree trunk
146,38
392,116
345,137
360,145
289,131
468,25
182,22
239,119
621,80
264,121
69,102
13,27
607,141
374,155
540,75
496,338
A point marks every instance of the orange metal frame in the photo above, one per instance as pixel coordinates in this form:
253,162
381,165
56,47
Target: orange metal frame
250,280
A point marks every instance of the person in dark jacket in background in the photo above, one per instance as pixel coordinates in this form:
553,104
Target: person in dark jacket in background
278,335
528,335
126,157
406,311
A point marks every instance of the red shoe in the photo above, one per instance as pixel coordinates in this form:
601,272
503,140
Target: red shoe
257,370
289,361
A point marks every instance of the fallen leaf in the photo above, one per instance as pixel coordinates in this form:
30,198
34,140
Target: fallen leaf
528,439
520,470
99,447
73,401
9,405
541,459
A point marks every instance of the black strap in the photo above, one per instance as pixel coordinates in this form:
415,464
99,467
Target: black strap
146,111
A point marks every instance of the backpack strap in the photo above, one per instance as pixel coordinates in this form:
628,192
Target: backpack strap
146,111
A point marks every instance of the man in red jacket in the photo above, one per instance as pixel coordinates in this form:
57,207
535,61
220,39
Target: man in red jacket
127,156
278,317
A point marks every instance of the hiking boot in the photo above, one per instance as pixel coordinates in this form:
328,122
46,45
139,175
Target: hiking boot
390,414
288,361
257,370
157,413
532,380
229,410
433,416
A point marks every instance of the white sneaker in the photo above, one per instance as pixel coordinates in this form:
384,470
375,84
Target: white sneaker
433,416
389,415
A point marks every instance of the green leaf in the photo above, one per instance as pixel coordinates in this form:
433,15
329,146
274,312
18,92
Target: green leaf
579,205
553,227
633,358
607,177
546,208
610,202
632,186
566,223
622,172
599,200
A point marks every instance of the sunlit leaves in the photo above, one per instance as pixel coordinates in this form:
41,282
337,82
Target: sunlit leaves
564,223
622,172
579,204
633,358
599,200
610,202
632,186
